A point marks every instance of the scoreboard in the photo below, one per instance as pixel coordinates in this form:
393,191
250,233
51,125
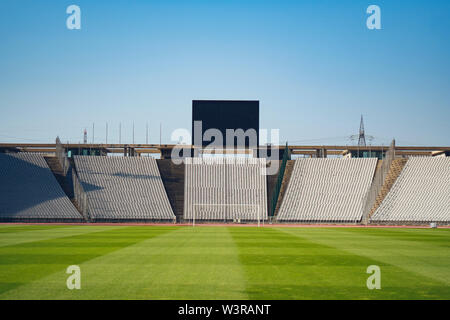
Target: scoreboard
223,115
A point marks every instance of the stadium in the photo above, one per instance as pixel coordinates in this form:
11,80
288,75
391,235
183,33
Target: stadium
105,203
211,159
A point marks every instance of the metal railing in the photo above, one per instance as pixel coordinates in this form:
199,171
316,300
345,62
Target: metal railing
80,196
378,182
277,189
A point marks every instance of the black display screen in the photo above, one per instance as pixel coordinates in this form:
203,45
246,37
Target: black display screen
223,115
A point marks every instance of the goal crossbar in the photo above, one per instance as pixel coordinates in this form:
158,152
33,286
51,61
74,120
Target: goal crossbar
228,212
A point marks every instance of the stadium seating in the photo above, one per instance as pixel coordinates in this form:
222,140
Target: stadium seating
327,190
30,191
225,189
123,188
421,193
395,169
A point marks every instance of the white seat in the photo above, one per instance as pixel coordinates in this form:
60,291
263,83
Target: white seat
421,193
29,190
225,189
327,189
124,188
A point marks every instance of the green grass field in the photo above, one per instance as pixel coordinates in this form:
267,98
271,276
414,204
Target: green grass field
127,262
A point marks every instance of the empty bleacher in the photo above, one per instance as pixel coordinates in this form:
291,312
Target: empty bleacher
421,193
123,188
327,190
30,192
225,189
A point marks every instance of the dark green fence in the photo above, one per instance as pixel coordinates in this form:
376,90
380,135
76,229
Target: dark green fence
276,192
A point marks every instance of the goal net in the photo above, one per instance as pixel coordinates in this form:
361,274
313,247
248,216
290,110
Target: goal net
228,212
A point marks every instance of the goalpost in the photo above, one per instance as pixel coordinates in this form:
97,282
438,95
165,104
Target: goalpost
227,212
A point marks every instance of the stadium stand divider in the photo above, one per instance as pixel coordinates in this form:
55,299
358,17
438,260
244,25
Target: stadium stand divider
80,196
77,194
378,182
60,154
284,185
276,192
172,176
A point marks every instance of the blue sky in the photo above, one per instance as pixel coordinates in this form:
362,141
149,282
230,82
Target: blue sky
313,65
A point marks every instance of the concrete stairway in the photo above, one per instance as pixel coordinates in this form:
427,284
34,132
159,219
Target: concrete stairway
286,178
271,183
64,182
394,171
172,176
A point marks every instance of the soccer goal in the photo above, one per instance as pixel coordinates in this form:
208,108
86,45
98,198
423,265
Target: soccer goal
227,212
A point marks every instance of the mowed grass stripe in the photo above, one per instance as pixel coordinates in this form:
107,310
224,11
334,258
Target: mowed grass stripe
188,263
426,238
27,262
228,263
422,251
22,234
16,228
280,265
405,274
